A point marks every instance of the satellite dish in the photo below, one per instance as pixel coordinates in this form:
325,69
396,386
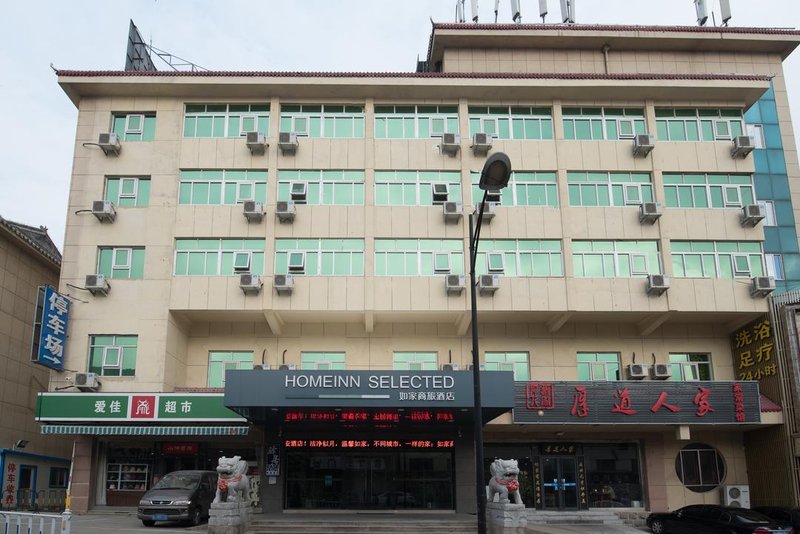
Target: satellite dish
702,12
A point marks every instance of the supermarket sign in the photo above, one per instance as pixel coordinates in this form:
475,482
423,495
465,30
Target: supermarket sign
155,407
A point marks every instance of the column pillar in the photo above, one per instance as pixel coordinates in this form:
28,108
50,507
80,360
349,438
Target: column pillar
465,470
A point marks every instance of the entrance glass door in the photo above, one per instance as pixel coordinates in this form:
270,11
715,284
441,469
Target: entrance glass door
559,481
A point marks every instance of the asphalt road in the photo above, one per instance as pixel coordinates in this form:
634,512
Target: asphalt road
124,522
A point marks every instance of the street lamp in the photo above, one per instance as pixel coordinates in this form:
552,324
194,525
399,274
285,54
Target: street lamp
495,175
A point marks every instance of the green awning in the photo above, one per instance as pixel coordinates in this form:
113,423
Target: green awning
100,430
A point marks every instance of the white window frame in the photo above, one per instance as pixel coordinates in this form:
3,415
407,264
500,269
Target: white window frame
301,269
115,349
738,202
756,133
774,263
238,254
241,198
434,193
489,256
304,193
717,134
436,256
625,196
622,135
134,196
243,133
769,210
120,266
736,271
131,131
631,264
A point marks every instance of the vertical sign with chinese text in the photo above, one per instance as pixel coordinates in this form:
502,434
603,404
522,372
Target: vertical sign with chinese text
52,327
752,351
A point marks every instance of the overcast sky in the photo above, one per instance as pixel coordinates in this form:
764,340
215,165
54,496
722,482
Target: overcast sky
38,120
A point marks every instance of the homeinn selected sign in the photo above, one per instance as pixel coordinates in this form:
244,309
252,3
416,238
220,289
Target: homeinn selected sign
414,381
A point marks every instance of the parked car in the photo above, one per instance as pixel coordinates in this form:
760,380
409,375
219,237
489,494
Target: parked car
714,519
179,496
790,516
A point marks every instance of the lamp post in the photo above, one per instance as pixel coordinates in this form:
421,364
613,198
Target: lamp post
495,175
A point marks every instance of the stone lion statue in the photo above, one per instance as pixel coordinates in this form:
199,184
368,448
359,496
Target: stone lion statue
504,481
232,485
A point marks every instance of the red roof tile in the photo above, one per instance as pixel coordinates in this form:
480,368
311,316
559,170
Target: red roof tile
767,406
617,28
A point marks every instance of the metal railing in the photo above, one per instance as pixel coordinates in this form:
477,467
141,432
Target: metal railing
31,523
49,500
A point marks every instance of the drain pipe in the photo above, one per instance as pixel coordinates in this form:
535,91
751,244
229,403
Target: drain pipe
605,49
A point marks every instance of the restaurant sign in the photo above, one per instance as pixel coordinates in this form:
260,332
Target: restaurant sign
143,407
637,402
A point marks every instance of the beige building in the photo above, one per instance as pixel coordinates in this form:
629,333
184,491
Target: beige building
625,392
33,468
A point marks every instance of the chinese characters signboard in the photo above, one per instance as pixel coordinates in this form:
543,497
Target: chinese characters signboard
752,351
50,328
637,402
163,407
368,444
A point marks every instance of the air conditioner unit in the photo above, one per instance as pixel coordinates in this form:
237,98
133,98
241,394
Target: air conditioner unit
481,143
736,496
742,146
287,367
489,211
283,284
97,284
454,284
451,143
104,210
287,142
87,381
285,211
253,211
643,144
250,283
451,367
657,284
110,144
488,283
256,142
649,212
637,371
660,371
762,286
262,366
752,214
452,211
299,192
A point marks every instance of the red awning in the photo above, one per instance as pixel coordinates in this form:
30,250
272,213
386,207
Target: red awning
767,406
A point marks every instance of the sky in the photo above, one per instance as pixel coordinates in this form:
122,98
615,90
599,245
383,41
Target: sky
37,137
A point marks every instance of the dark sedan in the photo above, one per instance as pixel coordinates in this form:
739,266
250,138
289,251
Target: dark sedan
713,519
789,516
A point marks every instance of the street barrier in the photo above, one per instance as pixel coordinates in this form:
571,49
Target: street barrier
30,523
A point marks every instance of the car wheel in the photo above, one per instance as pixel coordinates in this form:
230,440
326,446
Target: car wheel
657,527
196,517
148,522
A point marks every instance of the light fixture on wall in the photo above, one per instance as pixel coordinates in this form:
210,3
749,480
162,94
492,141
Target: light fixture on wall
21,444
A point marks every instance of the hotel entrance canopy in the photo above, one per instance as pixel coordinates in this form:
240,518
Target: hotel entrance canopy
261,395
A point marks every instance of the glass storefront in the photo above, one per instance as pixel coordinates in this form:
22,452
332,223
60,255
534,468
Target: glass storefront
391,480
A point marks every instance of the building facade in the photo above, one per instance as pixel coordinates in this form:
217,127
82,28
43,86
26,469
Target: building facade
33,469
613,271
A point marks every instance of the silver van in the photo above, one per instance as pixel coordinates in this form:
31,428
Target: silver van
179,496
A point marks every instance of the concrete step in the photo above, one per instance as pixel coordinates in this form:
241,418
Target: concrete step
583,517
362,524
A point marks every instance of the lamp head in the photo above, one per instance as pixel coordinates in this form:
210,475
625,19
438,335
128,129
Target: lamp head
21,444
496,172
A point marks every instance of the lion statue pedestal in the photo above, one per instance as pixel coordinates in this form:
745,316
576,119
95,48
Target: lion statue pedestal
504,486
229,510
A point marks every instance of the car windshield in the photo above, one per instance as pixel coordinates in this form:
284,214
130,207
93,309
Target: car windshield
749,516
178,481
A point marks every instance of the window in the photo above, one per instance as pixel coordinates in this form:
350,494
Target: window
769,210
598,366
225,120
415,122
414,188
134,126
321,257
756,133
775,266
603,123
609,188
689,367
509,361
504,122
700,467
524,257
322,361
524,189
218,257
222,187
112,355
59,477
414,361
418,257
708,190
345,188
221,361
323,120
121,262
704,124
608,259
128,192
717,259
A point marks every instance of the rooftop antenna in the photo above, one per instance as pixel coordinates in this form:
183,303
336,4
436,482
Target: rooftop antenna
475,11
702,12
496,9
139,56
725,11
515,12
543,9
568,11
460,11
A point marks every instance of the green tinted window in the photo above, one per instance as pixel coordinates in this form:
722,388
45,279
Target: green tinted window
221,361
322,360
415,122
504,122
706,124
323,120
112,355
416,188
609,189
717,259
704,190
524,189
328,187
517,362
134,126
121,262
127,192
414,361
598,366
609,259
222,186
603,123
218,257
523,257
320,257
418,257
225,120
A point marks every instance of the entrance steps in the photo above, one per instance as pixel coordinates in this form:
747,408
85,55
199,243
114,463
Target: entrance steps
361,523
574,517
